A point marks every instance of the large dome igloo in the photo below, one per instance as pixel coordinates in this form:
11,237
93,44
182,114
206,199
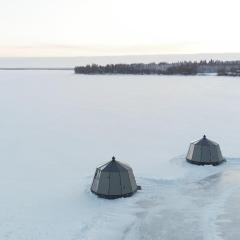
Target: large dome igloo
114,180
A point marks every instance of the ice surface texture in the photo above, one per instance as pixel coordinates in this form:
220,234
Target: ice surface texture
56,127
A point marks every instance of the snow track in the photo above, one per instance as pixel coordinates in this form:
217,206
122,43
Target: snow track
182,208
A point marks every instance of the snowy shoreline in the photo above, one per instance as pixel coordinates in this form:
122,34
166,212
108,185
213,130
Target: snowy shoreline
107,74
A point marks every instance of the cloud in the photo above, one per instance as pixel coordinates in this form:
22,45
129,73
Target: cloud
52,50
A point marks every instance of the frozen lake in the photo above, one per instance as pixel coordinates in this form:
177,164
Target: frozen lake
56,127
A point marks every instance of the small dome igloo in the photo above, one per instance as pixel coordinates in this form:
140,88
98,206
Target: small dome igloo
204,151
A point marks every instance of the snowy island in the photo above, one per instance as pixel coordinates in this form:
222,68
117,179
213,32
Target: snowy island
221,68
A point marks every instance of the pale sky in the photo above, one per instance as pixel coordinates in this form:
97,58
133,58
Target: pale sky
118,27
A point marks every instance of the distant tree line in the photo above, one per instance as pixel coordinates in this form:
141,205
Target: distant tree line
182,68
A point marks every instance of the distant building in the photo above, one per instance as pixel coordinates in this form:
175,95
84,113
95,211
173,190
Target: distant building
114,180
204,151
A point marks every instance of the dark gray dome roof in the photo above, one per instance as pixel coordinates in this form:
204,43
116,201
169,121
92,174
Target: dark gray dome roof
205,141
114,166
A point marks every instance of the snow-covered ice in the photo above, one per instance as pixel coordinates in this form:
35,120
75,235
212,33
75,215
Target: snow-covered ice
56,127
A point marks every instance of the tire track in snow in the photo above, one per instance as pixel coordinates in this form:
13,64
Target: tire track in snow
186,208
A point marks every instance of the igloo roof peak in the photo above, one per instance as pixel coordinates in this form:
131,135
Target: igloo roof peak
114,166
205,141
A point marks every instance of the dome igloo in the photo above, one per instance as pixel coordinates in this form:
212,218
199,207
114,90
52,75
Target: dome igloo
205,151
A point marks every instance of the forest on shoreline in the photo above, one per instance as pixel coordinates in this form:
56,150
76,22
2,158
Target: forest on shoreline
221,68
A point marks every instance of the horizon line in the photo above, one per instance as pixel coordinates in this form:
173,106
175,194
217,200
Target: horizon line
127,55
